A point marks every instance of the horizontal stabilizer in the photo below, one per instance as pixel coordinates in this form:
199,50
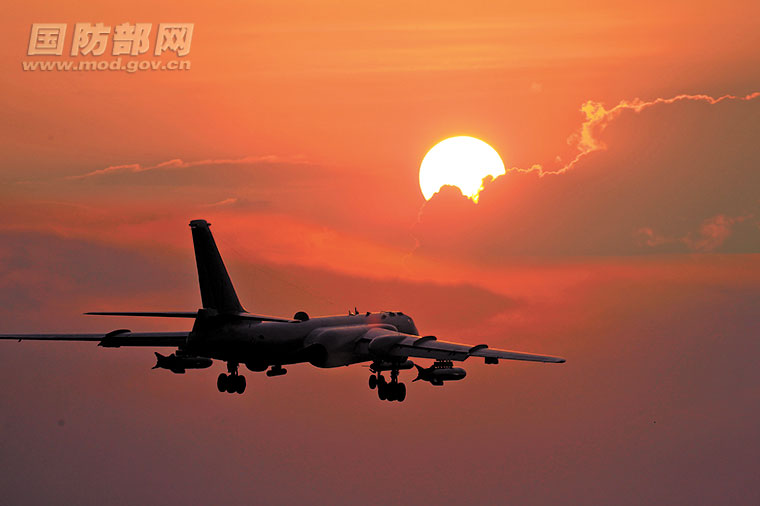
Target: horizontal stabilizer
157,314
190,314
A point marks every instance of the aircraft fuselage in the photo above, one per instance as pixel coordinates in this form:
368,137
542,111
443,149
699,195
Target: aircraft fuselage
329,341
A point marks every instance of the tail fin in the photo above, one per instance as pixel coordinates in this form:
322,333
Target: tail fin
216,288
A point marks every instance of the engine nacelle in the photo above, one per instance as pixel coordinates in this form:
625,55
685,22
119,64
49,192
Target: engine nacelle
387,365
254,366
178,365
333,346
439,372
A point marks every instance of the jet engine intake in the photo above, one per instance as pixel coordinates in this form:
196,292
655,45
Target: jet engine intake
333,346
254,366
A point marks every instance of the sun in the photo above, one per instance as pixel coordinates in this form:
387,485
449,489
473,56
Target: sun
459,161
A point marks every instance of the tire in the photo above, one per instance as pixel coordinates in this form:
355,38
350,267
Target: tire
372,382
232,383
221,383
381,381
401,392
240,384
382,391
392,390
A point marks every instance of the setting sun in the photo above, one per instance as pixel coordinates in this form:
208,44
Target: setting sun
459,161
587,187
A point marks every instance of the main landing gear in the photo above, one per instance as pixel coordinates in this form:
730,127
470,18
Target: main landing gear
388,391
232,383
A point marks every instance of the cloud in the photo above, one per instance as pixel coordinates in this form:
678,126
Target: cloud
177,163
659,176
239,204
226,202
713,232
711,235
666,165
39,270
586,140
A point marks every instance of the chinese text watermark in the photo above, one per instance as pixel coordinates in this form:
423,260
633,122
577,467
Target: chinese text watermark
93,40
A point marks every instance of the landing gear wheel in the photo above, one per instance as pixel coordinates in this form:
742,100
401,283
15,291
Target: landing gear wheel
401,392
240,384
392,391
221,382
232,385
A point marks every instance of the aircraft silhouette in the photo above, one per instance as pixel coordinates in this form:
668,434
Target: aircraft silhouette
223,330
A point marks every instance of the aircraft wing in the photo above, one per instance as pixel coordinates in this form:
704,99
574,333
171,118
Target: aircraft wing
115,339
396,344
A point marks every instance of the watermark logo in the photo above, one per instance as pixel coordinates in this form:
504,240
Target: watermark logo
174,37
131,39
125,39
90,39
47,39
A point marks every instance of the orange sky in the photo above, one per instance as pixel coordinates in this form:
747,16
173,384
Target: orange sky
298,133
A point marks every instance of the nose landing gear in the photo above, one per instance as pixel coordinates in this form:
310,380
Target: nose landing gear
232,383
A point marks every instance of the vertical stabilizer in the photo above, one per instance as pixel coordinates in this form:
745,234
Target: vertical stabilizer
216,288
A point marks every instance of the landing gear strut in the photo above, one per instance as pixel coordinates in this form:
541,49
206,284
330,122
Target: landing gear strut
232,383
388,391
